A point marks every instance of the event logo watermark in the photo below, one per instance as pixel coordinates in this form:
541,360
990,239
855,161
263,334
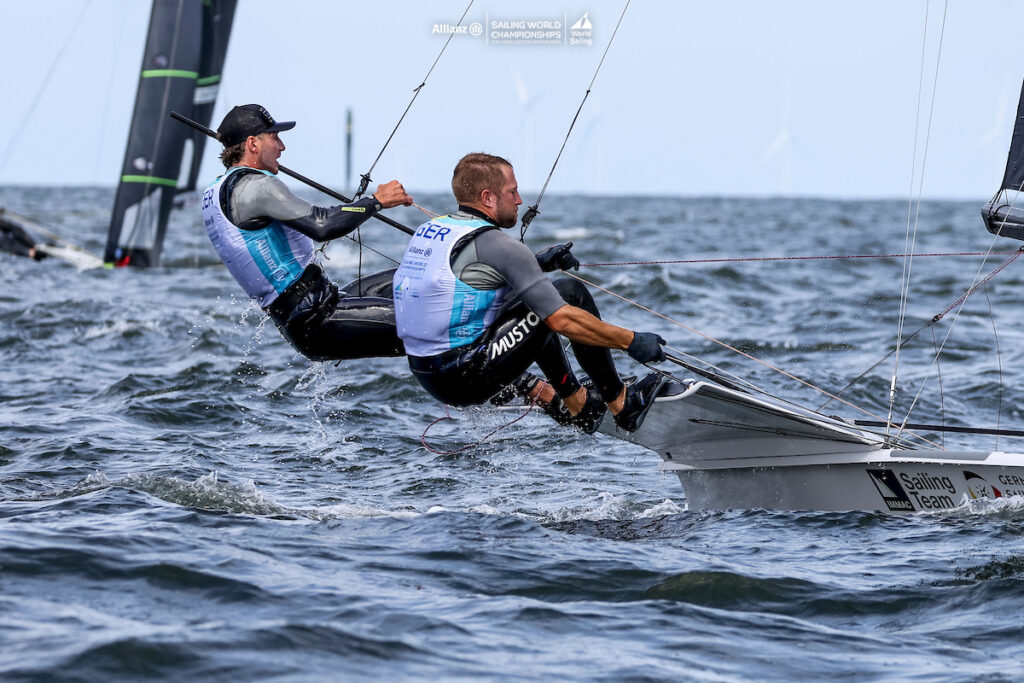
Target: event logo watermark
544,30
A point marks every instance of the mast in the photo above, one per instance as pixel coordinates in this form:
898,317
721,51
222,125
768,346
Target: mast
153,157
348,148
1004,214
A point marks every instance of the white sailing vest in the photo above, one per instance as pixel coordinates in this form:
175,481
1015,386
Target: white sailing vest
434,310
265,261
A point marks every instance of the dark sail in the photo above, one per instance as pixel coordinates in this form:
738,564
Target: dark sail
153,158
1004,213
217,18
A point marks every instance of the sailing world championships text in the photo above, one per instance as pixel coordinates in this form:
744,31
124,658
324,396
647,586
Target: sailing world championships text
542,30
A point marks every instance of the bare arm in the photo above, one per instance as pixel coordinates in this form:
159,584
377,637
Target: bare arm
580,326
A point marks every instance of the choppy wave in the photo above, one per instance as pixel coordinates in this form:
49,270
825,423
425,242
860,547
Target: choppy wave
185,497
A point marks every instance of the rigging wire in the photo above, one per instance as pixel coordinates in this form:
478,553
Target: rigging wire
942,395
906,281
999,365
974,288
365,181
911,236
738,351
794,258
975,284
101,143
962,301
42,88
936,318
753,388
534,210
365,178
358,239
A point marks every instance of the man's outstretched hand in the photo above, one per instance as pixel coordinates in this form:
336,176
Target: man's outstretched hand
392,194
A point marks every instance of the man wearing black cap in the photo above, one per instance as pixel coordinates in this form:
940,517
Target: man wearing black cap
264,234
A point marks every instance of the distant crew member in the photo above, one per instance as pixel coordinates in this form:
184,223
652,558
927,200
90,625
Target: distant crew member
264,234
14,239
475,310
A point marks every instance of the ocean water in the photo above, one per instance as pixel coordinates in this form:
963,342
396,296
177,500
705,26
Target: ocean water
182,496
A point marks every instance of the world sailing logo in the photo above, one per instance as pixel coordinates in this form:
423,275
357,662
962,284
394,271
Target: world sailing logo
582,32
582,24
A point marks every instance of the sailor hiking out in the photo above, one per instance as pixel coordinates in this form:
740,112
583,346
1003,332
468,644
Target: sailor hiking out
475,309
264,234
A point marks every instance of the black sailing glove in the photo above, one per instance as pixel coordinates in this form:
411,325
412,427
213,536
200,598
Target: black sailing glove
557,258
646,347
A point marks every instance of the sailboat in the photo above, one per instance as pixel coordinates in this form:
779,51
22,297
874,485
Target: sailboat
731,448
47,242
181,71
1001,215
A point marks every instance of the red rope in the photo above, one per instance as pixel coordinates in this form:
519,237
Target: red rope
448,416
980,284
798,258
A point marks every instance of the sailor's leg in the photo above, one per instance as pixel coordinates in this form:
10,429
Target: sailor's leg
359,327
596,361
520,338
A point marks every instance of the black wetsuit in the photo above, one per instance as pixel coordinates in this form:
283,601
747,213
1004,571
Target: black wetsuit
320,320
471,374
14,240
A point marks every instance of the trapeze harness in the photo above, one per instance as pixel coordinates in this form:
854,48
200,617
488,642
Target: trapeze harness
465,344
274,264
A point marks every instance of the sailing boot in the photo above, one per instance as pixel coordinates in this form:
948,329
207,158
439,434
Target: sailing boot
587,420
639,399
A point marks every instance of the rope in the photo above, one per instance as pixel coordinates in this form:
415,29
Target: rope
533,211
430,214
745,383
448,416
359,240
416,92
974,287
936,318
793,258
738,351
999,365
911,238
961,301
942,395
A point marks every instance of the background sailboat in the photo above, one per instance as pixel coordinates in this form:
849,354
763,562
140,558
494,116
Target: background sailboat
1002,215
181,65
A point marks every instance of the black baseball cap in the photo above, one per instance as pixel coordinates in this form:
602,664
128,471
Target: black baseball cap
248,119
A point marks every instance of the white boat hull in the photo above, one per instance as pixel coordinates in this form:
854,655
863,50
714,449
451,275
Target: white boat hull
895,484
732,450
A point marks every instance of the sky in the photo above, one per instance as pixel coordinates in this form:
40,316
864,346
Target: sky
732,98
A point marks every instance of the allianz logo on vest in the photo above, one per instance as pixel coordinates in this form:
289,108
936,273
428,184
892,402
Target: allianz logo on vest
432,232
515,335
